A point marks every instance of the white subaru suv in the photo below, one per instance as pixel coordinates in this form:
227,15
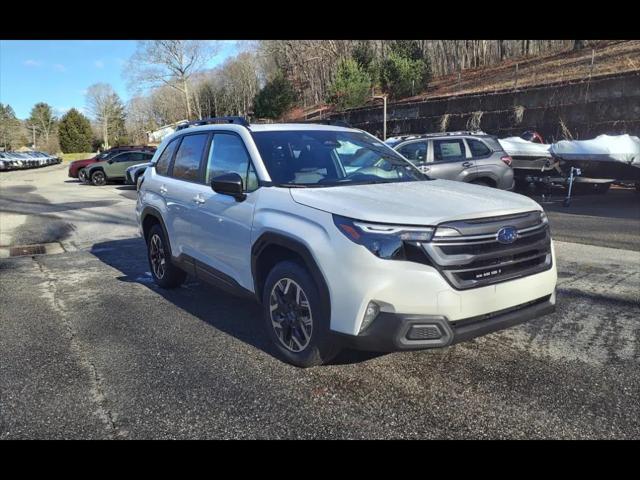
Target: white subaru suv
374,256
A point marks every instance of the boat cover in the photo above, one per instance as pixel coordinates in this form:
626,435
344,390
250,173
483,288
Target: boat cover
606,148
519,147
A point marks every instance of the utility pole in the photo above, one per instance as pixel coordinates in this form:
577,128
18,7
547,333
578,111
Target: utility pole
33,129
384,115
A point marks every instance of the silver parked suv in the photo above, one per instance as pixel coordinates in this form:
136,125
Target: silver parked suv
473,157
375,256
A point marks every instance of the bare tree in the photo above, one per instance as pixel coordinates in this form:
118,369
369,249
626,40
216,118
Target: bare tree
42,120
170,63
107,110
140,119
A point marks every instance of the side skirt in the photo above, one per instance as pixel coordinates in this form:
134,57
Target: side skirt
212,276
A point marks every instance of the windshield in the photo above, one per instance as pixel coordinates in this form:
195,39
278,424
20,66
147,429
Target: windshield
321,158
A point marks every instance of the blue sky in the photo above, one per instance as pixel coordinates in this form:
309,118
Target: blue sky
59,71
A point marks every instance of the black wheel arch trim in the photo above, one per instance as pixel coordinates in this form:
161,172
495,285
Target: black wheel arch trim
154,212
272,238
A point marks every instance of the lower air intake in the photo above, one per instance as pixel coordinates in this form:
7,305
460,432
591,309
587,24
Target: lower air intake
424,332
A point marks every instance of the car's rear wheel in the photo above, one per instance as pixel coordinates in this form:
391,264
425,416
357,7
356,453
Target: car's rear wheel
163,271
295,319
98,178
82,175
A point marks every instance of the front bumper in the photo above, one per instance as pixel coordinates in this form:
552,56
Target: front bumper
392,331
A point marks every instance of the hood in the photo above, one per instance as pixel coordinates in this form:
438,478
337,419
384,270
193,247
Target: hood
414,203
85,161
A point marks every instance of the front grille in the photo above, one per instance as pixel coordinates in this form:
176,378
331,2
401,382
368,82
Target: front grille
476,258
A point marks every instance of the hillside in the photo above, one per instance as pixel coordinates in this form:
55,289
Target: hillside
609,57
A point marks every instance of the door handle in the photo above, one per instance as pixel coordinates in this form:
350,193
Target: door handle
467,164
163,189
198,199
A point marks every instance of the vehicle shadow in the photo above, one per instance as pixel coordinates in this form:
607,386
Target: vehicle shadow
232,315
617,203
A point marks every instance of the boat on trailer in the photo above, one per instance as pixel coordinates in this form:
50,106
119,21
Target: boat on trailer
615,157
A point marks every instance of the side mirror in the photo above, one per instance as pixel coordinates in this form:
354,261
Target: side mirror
229,184
109,162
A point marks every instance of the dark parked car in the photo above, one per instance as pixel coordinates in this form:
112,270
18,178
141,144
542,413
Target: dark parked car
76,166
134,172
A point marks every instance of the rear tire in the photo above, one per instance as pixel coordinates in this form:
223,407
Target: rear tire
98,178
601,188
295,319
163,271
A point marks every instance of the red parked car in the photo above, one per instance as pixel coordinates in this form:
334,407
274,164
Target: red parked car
76,166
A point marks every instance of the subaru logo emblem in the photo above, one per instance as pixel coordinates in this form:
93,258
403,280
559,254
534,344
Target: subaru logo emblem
507,234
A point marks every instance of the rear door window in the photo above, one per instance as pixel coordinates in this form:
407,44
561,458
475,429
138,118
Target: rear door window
478,148
415,151
121,157
448,150
162,165
186,166
136,157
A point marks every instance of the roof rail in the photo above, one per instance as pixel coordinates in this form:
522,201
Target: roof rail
460,132
213,120
335,123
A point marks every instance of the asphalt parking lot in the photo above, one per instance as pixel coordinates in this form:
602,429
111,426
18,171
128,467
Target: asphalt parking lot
91,348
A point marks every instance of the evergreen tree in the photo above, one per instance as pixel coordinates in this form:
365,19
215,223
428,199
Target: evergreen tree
274,99
351,86
406,70
9,128
75,132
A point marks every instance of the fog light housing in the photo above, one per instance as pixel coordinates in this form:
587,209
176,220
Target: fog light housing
370,314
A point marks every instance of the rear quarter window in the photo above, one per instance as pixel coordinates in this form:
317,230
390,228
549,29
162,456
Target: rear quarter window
478,148
162,165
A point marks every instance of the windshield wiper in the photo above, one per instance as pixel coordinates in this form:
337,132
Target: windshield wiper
299,185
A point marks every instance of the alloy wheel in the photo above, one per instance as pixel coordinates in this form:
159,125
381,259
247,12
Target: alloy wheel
156,254
98,178
291,316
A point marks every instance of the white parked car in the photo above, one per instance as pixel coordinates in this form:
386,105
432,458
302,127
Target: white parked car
379,258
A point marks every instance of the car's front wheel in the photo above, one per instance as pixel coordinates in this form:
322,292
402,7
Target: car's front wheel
296,320
98,178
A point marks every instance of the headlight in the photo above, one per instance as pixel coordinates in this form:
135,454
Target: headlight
383,240
543,218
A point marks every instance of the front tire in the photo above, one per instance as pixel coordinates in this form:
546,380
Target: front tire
295,319
483,183
98,178
163,271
